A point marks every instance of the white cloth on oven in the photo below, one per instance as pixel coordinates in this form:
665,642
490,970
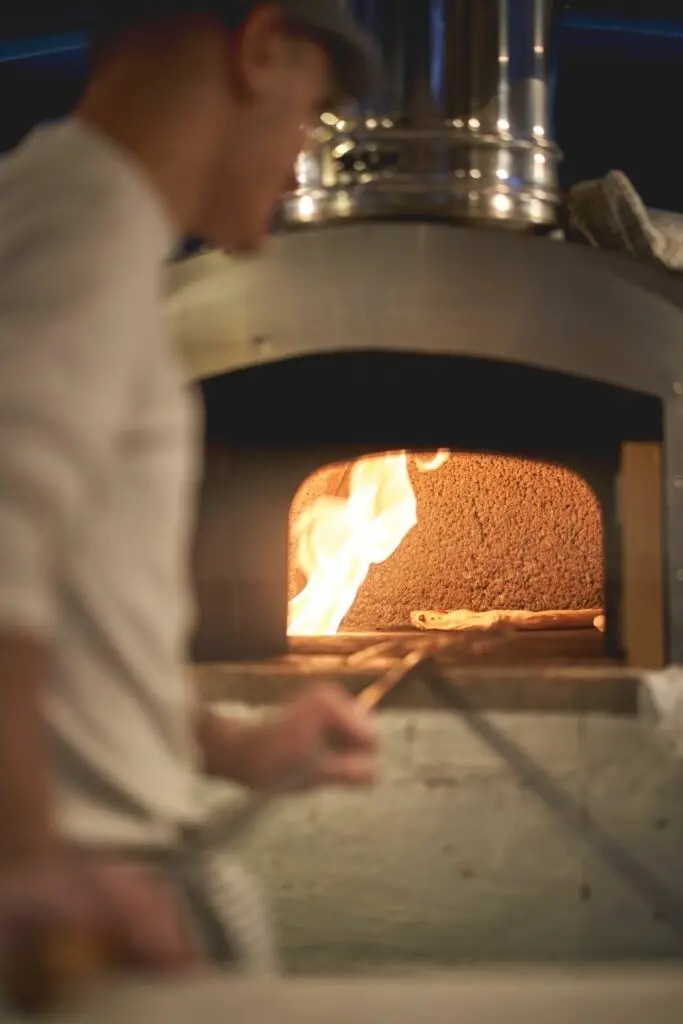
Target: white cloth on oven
665,699
98,465
608,213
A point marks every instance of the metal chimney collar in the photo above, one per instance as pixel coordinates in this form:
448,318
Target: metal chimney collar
459,130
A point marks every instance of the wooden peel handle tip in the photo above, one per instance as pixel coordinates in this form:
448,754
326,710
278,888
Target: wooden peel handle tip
373,695
50,967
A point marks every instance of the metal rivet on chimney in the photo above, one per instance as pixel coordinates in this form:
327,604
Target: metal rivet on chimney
678,387
678,483
259,340
679,575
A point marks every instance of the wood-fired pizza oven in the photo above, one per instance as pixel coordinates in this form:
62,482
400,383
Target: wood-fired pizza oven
416,304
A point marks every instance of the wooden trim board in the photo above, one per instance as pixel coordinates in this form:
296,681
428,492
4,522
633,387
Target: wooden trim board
642,557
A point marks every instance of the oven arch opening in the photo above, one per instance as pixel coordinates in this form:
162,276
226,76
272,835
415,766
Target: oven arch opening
270,426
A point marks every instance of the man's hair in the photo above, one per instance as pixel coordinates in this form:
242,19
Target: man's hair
115,21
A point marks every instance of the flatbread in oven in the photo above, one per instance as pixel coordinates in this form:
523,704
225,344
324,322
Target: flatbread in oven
464,620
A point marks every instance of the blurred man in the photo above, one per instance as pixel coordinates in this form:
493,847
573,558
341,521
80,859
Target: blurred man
191,124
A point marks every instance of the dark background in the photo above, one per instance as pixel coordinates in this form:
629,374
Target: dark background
617,75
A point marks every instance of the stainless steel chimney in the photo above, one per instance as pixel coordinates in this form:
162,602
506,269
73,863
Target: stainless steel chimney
460,128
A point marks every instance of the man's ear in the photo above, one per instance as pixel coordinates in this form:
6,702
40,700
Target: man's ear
257,52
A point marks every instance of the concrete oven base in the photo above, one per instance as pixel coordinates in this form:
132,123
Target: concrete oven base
449,861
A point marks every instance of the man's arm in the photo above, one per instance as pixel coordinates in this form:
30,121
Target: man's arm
26,826
321,736
223,743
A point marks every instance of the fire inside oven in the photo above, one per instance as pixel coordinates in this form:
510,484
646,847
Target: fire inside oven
448,544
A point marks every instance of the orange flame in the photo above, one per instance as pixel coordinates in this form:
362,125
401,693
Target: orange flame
338,539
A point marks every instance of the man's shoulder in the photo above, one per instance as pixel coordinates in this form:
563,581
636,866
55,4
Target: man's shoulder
45,182
64,199
76,275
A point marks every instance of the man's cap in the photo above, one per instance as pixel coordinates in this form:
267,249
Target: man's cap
351,49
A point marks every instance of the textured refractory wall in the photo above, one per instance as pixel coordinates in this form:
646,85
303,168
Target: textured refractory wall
493,532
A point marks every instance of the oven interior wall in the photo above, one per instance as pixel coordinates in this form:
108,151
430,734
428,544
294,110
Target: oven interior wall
492,532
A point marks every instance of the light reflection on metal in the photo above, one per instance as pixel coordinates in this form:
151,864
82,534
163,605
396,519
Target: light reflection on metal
460,128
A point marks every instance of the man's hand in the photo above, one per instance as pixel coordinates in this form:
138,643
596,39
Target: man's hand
64,920
322,732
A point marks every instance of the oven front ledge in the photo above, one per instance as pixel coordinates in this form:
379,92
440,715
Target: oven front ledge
603,689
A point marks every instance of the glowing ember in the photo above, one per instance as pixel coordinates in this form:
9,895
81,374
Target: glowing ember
338,539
